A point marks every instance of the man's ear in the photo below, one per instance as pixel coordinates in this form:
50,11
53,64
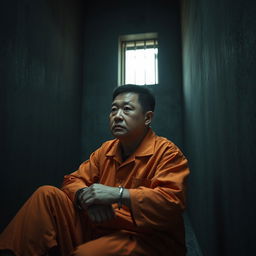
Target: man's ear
148,117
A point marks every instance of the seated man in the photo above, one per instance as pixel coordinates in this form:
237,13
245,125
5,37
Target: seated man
126,199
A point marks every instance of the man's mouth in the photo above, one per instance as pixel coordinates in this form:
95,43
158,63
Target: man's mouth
118,127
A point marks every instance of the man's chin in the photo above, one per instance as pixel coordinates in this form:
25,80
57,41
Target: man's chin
119,135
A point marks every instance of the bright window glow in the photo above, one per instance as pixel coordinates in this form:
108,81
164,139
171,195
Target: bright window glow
141,66
139,62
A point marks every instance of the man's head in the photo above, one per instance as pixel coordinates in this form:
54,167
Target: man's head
146,97
132,112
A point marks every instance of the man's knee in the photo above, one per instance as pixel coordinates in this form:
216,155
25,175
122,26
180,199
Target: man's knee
48,191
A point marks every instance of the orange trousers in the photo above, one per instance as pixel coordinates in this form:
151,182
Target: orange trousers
49,219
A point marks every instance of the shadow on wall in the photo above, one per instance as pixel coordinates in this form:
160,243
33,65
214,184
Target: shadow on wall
193,248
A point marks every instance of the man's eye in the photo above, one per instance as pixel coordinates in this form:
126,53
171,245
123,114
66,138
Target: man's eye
127,109
113,109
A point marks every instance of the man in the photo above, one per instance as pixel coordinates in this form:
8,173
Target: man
126,199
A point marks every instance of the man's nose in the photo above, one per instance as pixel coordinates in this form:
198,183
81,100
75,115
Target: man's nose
119,114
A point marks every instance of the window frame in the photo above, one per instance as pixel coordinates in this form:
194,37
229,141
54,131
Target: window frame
126,39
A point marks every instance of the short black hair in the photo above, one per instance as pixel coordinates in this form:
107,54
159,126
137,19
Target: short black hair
146,97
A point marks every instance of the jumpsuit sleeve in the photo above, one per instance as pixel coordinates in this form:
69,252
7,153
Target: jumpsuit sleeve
161,205
86,175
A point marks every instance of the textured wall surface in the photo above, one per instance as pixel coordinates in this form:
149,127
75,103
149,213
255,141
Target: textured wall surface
40,81
219,64
104,24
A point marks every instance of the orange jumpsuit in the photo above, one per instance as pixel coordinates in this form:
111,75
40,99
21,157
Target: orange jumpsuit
155,176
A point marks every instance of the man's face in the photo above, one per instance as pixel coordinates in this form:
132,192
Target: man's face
126,117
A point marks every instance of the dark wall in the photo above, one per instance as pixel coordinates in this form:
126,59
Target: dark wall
219,64
104,24
40,80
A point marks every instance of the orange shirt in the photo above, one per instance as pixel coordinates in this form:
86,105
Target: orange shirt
155,176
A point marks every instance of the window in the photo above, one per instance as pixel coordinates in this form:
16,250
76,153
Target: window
138,59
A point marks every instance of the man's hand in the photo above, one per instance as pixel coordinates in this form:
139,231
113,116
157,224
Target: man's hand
98,194
99,213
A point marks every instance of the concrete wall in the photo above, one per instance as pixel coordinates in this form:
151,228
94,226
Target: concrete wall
40,96
104,24
219,63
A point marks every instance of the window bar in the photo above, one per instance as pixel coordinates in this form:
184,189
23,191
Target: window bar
123,62
155,64
135,56
145,72
132,47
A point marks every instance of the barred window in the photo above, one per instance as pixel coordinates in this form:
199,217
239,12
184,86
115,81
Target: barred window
139,60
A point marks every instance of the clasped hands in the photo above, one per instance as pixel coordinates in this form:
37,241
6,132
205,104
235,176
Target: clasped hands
97,200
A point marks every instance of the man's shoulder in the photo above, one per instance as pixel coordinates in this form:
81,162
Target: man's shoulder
107,145
161,140
164,142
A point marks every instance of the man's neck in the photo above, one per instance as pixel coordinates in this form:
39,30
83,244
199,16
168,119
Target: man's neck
129,146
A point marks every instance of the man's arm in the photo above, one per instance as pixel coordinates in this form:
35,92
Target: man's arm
85,176
104,195
159,205
98,199
76,183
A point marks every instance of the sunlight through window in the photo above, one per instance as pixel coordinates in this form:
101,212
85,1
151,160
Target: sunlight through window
139,62
141,66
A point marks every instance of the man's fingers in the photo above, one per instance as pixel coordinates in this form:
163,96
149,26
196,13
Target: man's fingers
100,213
110,212
90,196
98,217
99,194
87,198
86,203
95,215
91,216
107,215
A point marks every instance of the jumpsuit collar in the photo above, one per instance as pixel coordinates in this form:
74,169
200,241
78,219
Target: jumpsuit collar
146,148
